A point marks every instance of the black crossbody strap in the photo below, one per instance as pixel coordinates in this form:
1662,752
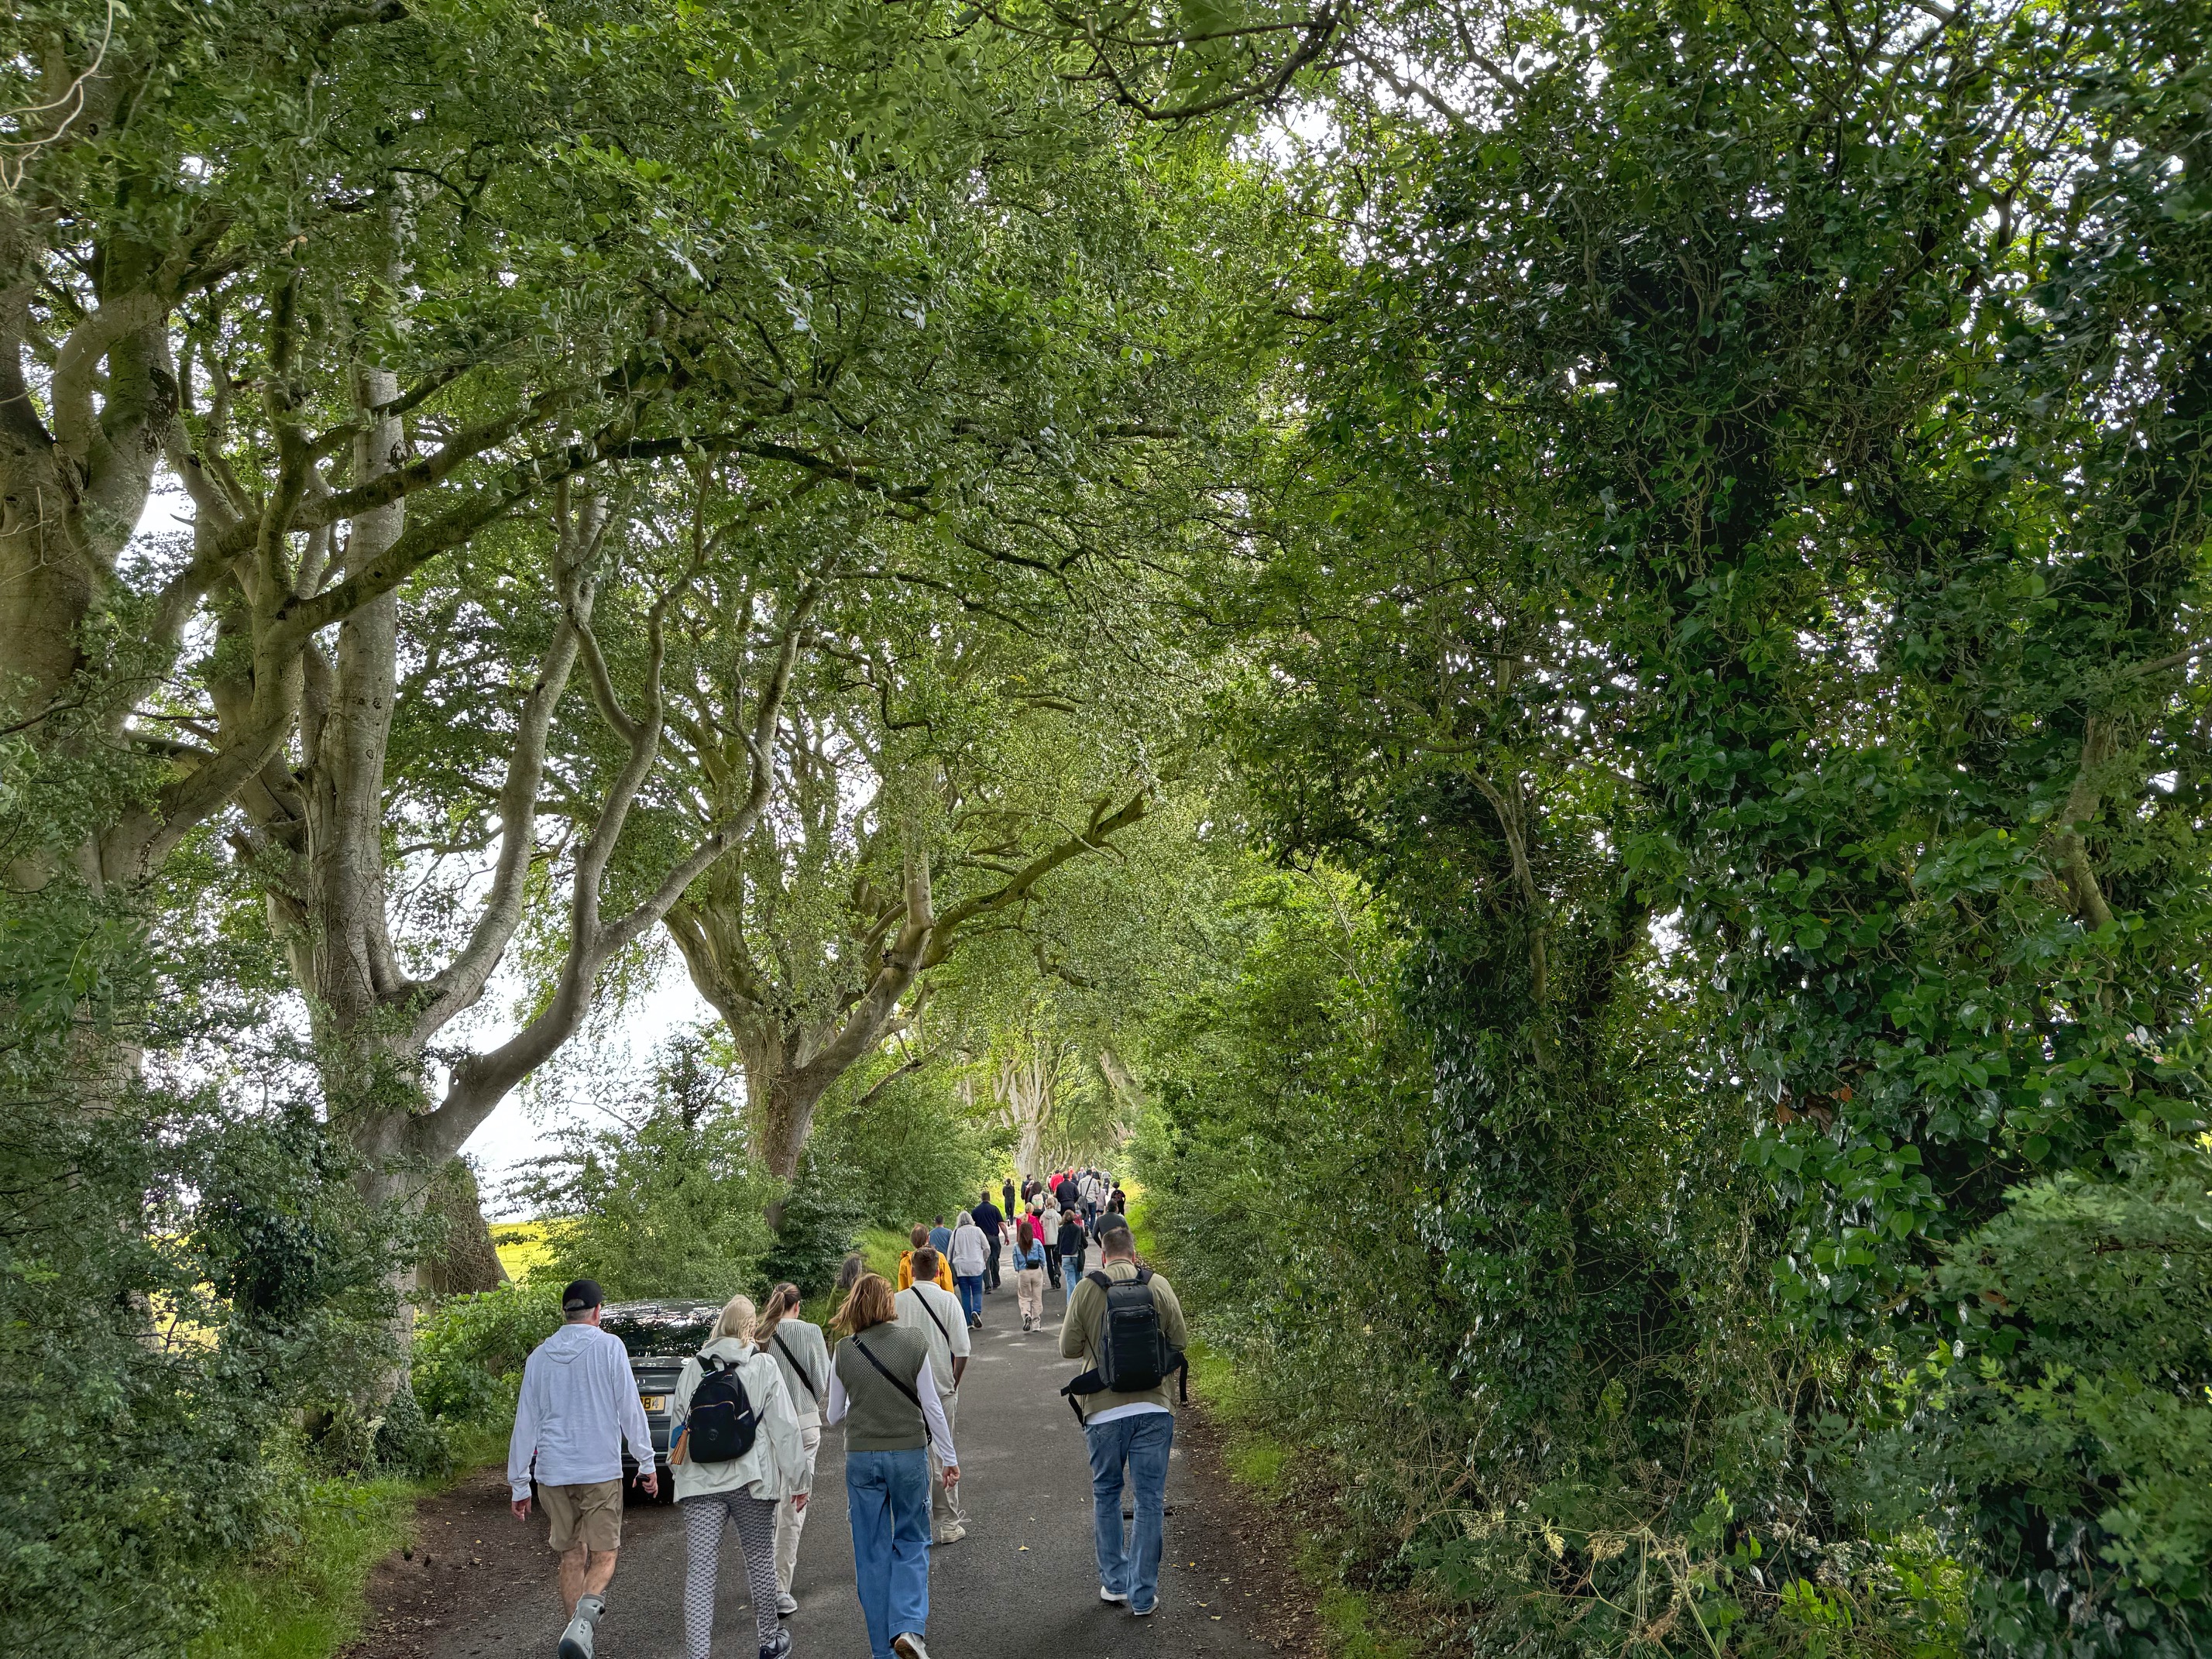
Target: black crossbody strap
889,1378
813,1393
932,1312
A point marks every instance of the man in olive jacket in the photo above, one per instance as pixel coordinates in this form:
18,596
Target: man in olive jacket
1133,1431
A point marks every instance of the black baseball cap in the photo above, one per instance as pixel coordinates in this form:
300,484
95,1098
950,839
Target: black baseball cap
582,1296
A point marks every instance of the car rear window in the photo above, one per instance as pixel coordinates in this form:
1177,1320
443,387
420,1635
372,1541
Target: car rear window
650,1331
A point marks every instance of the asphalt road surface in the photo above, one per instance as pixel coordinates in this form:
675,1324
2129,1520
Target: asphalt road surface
1024,1580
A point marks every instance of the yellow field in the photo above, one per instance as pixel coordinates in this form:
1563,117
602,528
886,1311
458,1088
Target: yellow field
522,1245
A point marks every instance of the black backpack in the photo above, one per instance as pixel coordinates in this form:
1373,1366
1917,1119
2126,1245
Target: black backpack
722,1424
1133,1354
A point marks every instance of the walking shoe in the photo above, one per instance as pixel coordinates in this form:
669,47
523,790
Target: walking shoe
1105,1594
576,1640
1145,1613
951,1535
785,1606
909,1646
777,1647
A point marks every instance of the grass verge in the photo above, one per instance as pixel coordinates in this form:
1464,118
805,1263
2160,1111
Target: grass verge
1267,1467
301,1599
302,1595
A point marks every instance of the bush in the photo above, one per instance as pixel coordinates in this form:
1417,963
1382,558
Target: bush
910,1150
820,1220
470,1350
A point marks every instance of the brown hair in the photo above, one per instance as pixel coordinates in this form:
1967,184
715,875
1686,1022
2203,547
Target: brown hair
870,1304
782,1301
919,1237
924,1264
1025,1232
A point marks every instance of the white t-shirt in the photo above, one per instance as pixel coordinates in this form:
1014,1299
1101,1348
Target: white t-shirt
946,1334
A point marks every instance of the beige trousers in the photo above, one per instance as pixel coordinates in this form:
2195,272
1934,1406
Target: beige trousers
791,1520
1028,1291
944,1509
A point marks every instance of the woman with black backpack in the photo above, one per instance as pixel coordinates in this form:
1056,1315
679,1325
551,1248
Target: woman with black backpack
881,1389
736,1454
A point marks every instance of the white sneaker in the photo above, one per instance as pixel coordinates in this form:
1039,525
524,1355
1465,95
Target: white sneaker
1145,1613
951,1535
1105,1594
909,1646
785,1606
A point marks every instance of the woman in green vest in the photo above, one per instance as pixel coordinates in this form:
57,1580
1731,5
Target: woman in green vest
882,1390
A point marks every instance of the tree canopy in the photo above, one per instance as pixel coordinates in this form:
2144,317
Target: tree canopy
1543,667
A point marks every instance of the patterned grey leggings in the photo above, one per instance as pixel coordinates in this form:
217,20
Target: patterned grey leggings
754,1519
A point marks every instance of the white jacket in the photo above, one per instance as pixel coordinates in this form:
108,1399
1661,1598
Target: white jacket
578,1400
971,1251
807,1346
776,1467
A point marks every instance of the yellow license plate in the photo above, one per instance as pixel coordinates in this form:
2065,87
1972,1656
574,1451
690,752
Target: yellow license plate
655,1403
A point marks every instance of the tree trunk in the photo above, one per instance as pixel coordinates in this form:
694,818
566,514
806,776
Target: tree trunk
467,1261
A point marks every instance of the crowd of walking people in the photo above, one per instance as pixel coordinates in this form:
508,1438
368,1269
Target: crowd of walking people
751,1407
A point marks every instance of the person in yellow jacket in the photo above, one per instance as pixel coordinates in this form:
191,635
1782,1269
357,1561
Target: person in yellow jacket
920,1239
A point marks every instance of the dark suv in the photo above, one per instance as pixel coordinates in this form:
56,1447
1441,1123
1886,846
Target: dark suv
660,1336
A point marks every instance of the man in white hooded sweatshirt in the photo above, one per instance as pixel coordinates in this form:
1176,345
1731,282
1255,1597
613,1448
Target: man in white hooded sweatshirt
578,1402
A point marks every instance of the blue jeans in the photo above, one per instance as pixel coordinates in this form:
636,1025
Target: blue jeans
887,1493
1142,1442
971,1295
1071,1274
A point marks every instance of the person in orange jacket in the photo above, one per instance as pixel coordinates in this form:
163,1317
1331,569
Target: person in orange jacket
920,1239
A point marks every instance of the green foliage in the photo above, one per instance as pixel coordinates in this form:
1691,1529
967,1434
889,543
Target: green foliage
668,1203
469,1350
300,1597
907,1151
821,1217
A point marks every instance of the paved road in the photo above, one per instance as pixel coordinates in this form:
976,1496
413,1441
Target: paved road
1023,1580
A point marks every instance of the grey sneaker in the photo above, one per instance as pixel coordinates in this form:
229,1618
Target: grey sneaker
778,1647
785,1606
576,1640
951,1535
909,1646
1145,1613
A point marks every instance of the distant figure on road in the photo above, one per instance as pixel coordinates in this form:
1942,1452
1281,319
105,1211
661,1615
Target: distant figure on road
971,1255
1007,1200
578,1403
1126,1327
1045,1217
883,1389
923,1307
1028,1273
738,1456
1074,1249
988,1216
803,1356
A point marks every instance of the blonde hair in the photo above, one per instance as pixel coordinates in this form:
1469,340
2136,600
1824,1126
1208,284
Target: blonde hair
870,1304
737,1319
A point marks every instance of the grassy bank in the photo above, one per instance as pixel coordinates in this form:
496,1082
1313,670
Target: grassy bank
302,1596
1269,1468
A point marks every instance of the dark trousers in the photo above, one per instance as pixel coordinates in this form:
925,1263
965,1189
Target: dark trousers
991,1268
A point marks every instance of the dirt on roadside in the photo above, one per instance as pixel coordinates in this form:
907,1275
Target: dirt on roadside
469,1551
1249,1550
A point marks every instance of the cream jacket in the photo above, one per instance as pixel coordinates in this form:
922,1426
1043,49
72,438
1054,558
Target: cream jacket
776,1468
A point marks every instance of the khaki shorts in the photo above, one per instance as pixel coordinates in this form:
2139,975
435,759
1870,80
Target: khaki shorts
589,1514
